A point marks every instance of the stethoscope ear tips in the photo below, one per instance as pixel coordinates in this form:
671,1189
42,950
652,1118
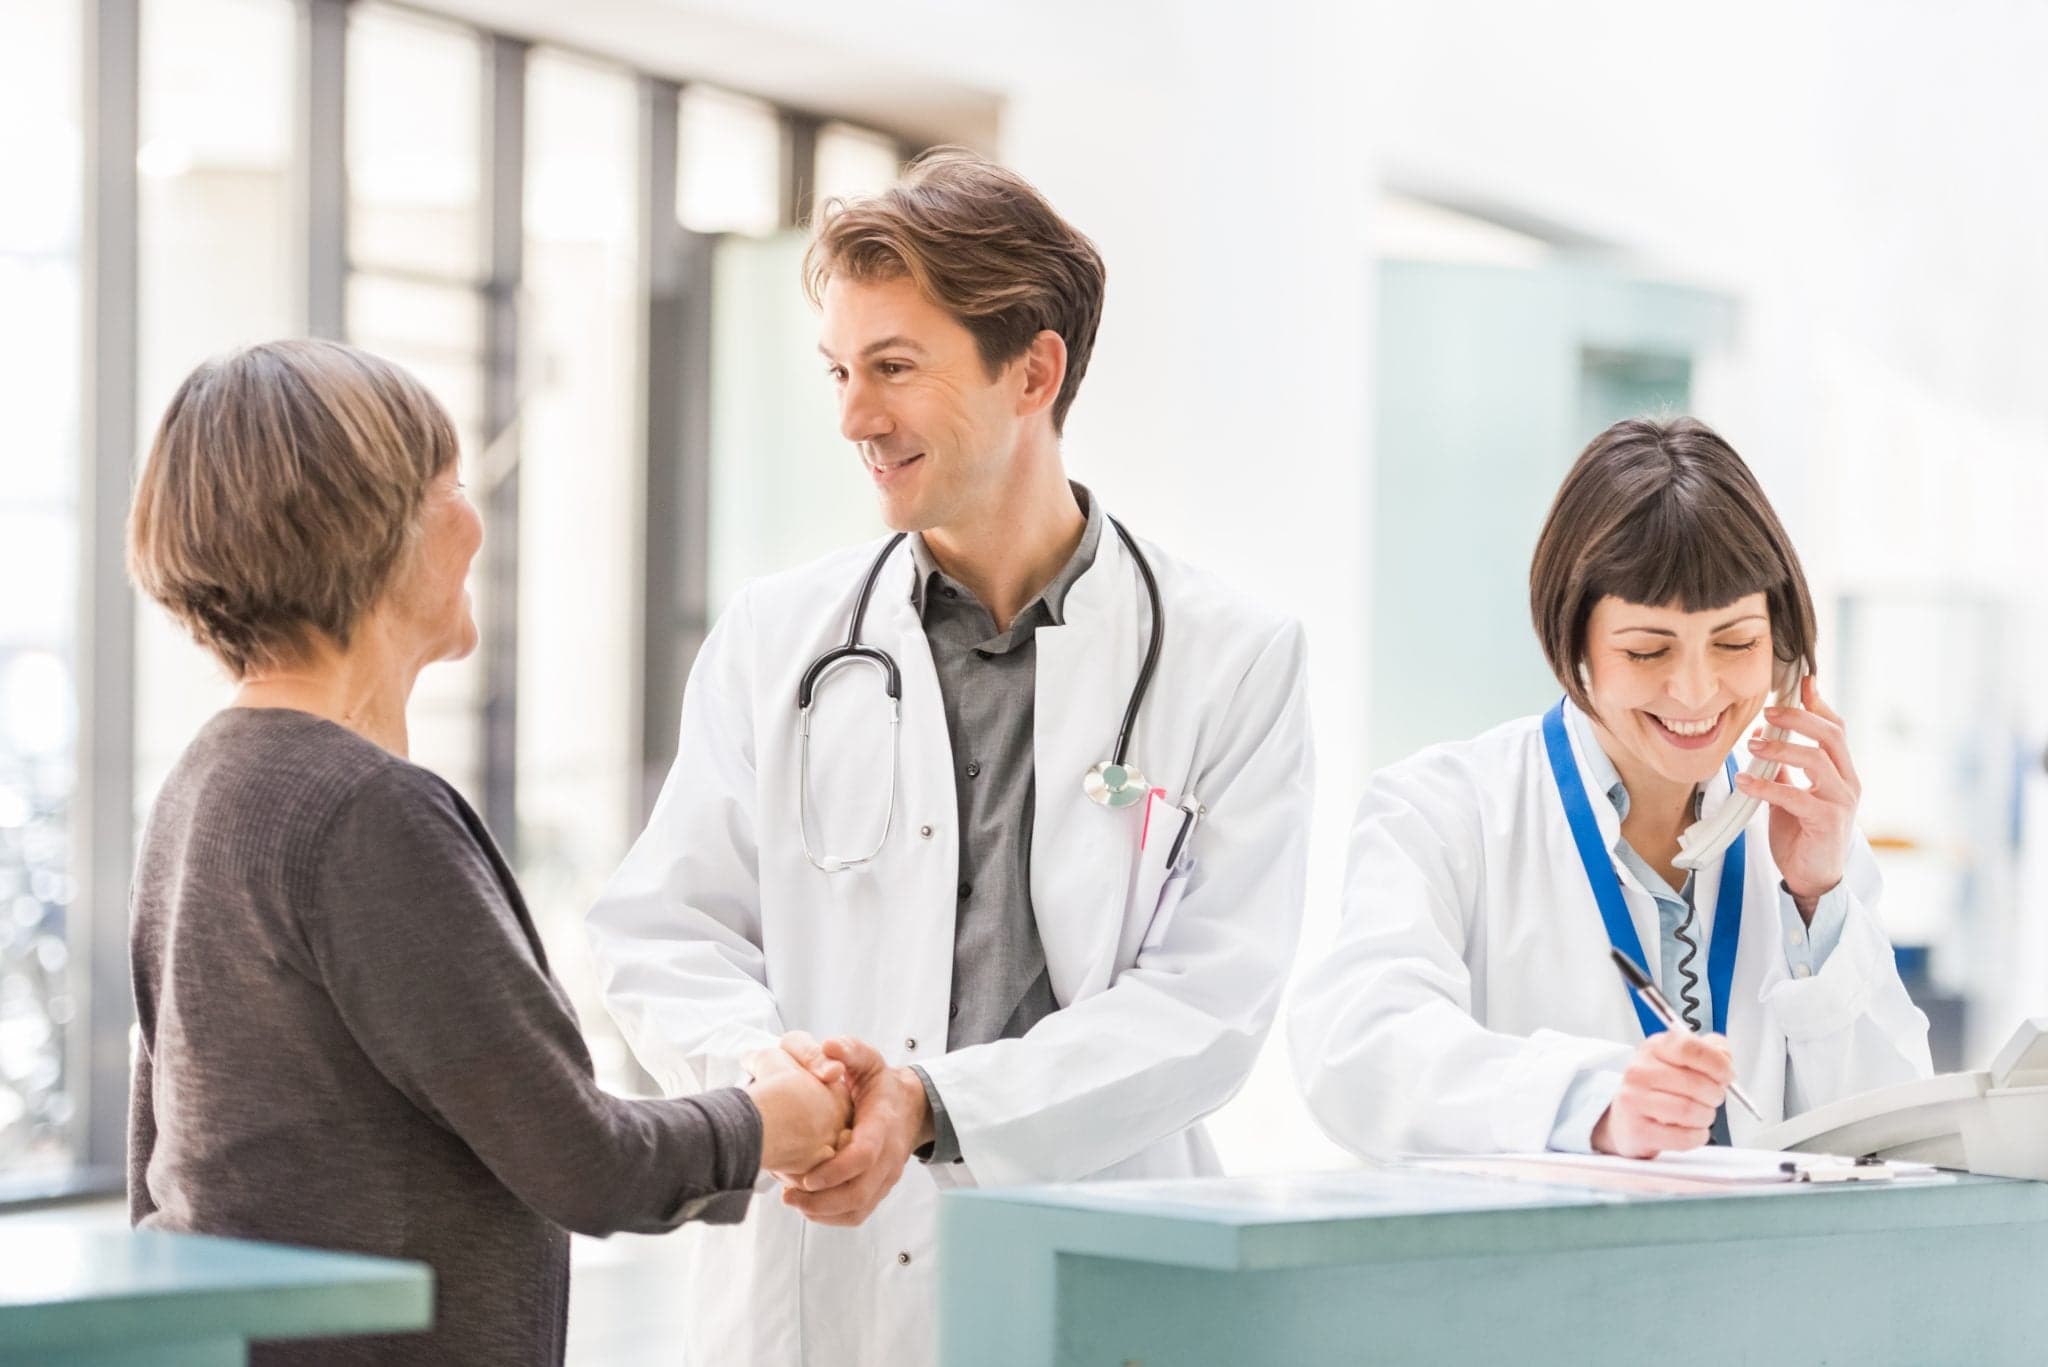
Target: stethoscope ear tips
1114,785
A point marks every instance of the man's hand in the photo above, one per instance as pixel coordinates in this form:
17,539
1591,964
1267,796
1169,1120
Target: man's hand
1668,1096
890,1121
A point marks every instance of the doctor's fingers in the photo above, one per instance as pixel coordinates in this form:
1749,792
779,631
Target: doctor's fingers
793,1174
846,1204
799,1045
1680,1112
1653,1137
1703,1054
860,1154
1829,733
1682,1085
1810,694
1821,770
863,1062
811,1056
1814,808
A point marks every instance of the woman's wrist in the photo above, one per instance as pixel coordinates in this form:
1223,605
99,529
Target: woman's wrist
1807,903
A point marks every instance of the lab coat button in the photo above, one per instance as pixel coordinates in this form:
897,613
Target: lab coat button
903,1259
1802,971
910,1044
925,831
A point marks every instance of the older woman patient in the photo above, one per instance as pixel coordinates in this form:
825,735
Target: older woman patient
349,1034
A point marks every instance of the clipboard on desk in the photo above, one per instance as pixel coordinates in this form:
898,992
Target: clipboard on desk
1695,1172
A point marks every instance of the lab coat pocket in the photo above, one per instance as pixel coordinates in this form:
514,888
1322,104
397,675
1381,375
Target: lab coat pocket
1170,894
1150,874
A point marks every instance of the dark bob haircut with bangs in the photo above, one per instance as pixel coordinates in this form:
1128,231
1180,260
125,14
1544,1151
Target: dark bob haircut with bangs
1663,514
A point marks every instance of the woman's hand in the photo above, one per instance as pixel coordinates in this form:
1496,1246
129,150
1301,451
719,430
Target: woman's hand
1811,827
805,1110
1668,1096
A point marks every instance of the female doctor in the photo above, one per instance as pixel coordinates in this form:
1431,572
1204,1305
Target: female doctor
1471,1003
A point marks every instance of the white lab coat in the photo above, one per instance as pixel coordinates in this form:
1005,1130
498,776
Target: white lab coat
1471,982
716,934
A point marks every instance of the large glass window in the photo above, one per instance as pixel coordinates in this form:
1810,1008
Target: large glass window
218,269
579,470
416,249
40,211
221,263
729,163
853,161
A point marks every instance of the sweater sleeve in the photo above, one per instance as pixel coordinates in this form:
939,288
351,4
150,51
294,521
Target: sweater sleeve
438,976
141,1133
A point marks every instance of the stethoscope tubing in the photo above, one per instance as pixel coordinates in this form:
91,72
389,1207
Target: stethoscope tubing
892,681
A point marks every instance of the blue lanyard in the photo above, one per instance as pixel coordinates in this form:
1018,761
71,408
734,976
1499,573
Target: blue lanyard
1599,865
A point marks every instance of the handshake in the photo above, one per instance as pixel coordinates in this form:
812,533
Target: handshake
837,1124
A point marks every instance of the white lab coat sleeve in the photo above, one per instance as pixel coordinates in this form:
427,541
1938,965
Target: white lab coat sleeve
1851,1025
1174,1035
676,934
1386,1049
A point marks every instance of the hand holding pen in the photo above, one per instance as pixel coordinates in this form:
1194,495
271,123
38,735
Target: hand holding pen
1672,1087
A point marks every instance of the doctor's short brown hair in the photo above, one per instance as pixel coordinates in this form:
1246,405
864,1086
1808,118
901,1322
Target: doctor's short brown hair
983,244
283,490
1663,514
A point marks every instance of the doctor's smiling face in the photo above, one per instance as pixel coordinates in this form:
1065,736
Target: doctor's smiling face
938,429
1672,690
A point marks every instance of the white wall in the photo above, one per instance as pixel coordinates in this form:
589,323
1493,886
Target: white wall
1221,167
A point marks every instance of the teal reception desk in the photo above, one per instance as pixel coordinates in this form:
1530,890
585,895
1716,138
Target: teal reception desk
1401,1266
116,1298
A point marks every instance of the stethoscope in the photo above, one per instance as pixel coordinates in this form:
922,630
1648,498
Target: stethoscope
1114,782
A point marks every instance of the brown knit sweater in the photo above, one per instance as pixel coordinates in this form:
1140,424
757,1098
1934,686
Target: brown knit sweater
350,1039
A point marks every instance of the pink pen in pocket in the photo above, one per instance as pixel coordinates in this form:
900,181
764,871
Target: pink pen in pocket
1153,800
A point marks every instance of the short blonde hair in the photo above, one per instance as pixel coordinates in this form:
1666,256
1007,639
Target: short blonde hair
284,485
983,244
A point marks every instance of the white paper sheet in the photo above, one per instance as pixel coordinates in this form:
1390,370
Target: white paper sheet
1709,1168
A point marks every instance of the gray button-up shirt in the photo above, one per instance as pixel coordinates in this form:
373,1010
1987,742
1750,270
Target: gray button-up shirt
988,680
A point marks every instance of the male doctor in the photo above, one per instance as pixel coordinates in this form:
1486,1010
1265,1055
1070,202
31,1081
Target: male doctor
1039,967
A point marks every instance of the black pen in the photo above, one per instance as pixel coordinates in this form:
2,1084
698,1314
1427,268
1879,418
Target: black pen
1191,812
1661,1009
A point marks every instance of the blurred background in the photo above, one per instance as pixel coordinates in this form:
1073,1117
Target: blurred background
1377,272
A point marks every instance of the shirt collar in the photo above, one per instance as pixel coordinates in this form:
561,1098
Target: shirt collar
1601,775
1053,595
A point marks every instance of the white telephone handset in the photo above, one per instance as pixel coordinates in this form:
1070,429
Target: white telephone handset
1704,841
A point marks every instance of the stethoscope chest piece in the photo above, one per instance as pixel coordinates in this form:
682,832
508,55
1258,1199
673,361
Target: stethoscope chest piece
1114,785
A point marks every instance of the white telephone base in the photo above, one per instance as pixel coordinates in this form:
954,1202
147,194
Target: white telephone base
1993,1121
